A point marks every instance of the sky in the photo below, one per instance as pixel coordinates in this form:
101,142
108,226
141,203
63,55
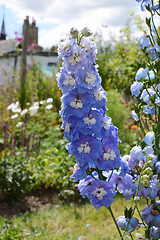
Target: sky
55,18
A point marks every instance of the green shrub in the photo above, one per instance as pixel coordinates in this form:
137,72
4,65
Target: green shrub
120,112
52,167
15,175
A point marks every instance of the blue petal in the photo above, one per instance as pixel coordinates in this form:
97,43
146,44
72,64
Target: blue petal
149,138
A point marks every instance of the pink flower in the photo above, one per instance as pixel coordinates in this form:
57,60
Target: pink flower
16,33
20,38
32,46
26,70
105,26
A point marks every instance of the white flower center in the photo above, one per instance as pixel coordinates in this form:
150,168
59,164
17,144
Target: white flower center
99,193
99,95
84,147
67,127
107,124
89,120
76,103
109,155
75,58
69,81
90,79
76,166
66,45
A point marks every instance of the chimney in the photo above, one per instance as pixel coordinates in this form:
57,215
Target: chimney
33,22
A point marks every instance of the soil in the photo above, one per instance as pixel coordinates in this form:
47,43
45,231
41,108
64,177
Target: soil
30,203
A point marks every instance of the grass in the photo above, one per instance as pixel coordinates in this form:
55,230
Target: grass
64,222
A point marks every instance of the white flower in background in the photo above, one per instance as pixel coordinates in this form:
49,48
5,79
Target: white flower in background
24,112
16,104
13,106
18,110
49,100
14,116
10,106
33,110
19,124
49,106
42,102
36,104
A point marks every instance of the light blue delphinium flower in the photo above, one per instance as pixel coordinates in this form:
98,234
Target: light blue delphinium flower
65,47
144,41
109,157
155,232
149,138
85,123
144,3
149,191
151,75
141,73
86,149
122,183
69,126
135,88
126,224
100,193
146,94
134,115
79,173
149,110
90,123
66,81
151,214
76,104
89,78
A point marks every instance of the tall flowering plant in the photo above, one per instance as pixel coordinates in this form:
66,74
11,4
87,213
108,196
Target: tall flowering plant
93,138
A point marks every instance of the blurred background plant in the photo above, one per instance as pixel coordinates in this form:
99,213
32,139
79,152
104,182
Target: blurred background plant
119,59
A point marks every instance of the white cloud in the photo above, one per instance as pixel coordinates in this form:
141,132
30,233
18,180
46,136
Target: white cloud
54,18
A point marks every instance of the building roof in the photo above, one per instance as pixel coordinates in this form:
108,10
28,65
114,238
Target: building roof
3,28
7,46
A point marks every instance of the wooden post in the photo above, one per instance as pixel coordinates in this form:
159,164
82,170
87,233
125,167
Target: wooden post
22,98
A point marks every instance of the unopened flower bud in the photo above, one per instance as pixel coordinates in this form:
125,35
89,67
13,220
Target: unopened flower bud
149,163
145,177
150,158
74,32
86,32
144,151
145,183
136,199
148,170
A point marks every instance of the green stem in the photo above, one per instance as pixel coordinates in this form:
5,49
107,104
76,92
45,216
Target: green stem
131,236
129,220
120,234
154,25
140,215
141,127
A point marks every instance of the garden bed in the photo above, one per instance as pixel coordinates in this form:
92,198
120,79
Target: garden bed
30,203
